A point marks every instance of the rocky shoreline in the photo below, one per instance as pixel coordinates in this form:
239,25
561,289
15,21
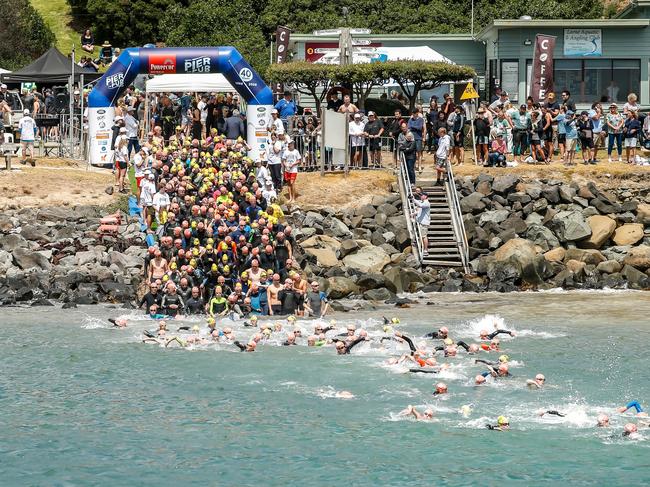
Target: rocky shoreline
522,235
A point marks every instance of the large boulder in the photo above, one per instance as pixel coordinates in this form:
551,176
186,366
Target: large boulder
368,259
505,184
628,234
386,209
495,216
335,227
523,255
588,256
347,247
12,241
643,214
602,228
569,226
325,257
555,255
609,267
366,211
321,242
635,278
6,262
341,287
472,203
27,259
381,294
638,257
542,236
313,219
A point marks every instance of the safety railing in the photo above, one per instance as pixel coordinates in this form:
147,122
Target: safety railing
457,218
409,209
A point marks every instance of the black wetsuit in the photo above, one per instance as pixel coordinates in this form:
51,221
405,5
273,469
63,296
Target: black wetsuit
172,299
435,335
151,299
195,306
461,343
409,342
291,300
349,346
242,348
498,332
552,412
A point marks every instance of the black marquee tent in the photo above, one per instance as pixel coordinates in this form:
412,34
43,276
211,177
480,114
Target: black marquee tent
51,67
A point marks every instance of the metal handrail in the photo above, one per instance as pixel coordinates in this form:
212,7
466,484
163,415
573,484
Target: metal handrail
409,209
457,218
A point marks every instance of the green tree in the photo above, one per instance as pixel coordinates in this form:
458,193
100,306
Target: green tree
414,76
217,23
310,79
23,34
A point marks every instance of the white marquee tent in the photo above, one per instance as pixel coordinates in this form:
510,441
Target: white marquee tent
363,54
203,83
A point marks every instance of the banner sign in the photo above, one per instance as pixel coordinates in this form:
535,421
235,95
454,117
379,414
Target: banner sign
542,81
583,42
316,50
282,35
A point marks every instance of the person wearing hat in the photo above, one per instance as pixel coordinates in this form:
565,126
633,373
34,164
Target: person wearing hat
275,125
498,150
28,129
615,124
268,191
357,140
147,193
106,53
291,160
373,131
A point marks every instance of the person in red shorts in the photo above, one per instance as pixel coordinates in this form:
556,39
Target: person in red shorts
291,160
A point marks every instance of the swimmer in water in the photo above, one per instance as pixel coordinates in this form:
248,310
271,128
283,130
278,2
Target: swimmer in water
502,424
602,421
427,415
631,431
484,335
537,382
441,334
503,359
344,348
441,388
291,340
344,395
633,404
119,322
249,347
392,321
501,371
252,323
551,412
479,380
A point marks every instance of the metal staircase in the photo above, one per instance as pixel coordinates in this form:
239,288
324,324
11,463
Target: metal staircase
446,233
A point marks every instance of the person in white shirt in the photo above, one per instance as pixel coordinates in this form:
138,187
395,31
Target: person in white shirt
27,127
139,166
161,205
276,125
132,127
121,159
275,163
423,218
202,105
291,160
147,192
268,191
261,173
357,140
442,154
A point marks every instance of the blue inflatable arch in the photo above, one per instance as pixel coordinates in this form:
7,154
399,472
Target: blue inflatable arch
181,60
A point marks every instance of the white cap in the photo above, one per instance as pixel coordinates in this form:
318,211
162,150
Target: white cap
371,113
274,111
119,117
268,181
151,176
25,111
122,129
76,92
357,115
3,86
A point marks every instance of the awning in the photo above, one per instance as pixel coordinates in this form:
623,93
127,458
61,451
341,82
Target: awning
205,83
51,67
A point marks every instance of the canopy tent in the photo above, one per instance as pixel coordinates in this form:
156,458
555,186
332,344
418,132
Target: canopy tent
169,83
51,67
2,71
363,54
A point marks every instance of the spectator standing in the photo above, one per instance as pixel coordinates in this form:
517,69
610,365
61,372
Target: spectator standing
596,116
334,102
121,159
28,129
448,106
132,126
615,123
394,129
357,141
423,219
499,102
482,134
586,135
442,154
568,102
415,125
409,149
286,108
431,119
458,135
571,130
347,106
373,131
522,125
632,129
274,158
235,126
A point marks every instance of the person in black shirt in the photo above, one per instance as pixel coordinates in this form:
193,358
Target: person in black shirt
290,298
568,102
482,134
195,305
172,303
152,297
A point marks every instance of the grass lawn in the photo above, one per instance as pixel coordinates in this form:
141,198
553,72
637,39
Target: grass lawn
58,16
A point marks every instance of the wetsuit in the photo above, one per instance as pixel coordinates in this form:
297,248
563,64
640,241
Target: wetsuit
461,343
487,362
291,300
349,346
409,342
552,412
424,371
435,335
194,306
150,299
218,305
498,332
286,343
242,347
172,299
635,405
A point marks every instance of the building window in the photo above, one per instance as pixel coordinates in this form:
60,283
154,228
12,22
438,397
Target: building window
590,80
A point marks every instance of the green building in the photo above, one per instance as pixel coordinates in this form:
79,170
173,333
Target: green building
596,60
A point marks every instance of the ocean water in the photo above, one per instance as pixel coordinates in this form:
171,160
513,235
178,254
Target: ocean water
84,404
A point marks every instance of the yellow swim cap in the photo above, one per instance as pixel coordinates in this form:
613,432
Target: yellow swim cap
266,331
195,328
504,358
388,329
502,420
449,341
395,321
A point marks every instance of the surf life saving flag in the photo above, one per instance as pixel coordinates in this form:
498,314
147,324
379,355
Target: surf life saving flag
542,81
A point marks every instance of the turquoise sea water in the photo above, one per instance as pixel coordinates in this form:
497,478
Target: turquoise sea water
84,404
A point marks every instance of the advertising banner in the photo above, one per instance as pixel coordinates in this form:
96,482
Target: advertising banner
542,81
583,42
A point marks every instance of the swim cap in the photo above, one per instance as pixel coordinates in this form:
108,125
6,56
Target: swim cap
332,322
479,379
441,386
448,341
253,318
444,329
483,333
630,428
503,358
266,331
388,329
395,321
540,377
195,328
603,419
291,318
502,420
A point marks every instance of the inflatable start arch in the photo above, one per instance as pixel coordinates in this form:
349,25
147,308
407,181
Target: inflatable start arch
133,61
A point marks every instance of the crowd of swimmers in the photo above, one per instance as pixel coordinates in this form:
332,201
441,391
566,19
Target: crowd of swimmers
421,358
